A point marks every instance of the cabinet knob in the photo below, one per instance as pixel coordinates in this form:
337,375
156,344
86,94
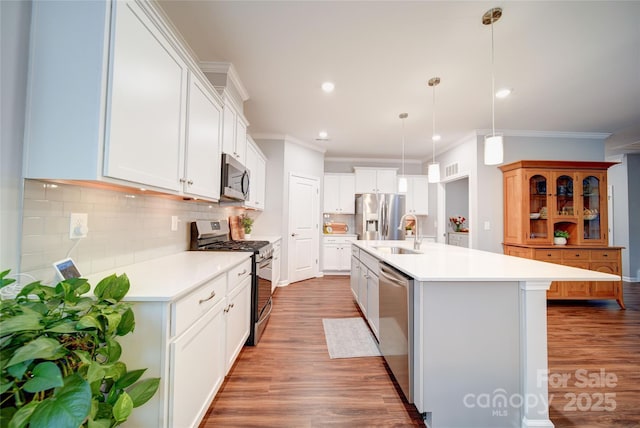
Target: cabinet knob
183,180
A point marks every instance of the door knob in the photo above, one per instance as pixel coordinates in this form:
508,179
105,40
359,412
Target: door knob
294,234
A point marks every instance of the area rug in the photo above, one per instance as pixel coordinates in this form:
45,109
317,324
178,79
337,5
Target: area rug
349,338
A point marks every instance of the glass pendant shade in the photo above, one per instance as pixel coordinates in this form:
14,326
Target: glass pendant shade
493,150
402,185
434,172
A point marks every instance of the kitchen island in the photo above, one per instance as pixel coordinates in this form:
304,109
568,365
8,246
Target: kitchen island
479,332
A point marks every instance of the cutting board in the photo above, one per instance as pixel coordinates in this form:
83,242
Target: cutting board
236,228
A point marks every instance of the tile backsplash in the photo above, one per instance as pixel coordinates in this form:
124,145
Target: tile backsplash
123,228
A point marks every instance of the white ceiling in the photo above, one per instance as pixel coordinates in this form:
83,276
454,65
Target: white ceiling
574,66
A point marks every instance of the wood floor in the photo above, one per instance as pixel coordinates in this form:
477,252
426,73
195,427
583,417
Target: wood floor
288,380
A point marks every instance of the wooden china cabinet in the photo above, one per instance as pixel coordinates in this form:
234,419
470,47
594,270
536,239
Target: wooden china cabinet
541,197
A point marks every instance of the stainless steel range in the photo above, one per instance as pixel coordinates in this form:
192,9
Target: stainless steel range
207,235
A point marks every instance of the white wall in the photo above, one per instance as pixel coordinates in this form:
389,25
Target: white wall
287,156
15,19
632,216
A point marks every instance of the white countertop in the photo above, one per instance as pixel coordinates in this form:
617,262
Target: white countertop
441,262
171,277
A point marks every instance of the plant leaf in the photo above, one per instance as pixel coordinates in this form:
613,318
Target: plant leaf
4,281
129,378
116,371
127,323
142,391
99,423
18,370
89,321
42,347
66,326
113,319
46,375
68,407
123,407
27,321
95,374
21,418
4,387
112,287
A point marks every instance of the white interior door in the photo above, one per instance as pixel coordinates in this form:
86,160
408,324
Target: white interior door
303,227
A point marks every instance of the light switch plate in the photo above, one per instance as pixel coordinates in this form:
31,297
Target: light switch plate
78,225
174,223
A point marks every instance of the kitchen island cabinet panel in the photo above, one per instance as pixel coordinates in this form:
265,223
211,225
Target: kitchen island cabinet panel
479,332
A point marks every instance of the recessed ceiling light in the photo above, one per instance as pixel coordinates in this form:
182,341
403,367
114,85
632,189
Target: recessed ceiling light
503,93
323,135
436,137
328,87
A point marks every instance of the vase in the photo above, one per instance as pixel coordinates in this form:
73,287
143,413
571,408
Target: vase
559,241
458,227
247,235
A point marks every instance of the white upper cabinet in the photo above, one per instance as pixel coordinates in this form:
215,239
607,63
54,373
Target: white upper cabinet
147,101
339,193
417,201
256,163
202,167
112,105
234,133
375,180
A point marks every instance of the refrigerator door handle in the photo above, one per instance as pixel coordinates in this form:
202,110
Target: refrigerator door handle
384,227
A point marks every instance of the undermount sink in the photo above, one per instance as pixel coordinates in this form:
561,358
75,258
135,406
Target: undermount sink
396,250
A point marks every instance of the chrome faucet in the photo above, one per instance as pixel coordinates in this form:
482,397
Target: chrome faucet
418,239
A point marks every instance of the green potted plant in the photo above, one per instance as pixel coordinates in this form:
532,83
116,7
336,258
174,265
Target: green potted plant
247,224
560,237
61,358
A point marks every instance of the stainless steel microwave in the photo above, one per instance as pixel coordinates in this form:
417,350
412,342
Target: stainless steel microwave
234,180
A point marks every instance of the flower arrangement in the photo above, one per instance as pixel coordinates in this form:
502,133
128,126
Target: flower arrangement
457,222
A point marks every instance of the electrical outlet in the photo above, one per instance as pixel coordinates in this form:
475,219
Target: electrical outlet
78,225
174,223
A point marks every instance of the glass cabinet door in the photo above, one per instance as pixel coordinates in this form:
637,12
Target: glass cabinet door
564,202
592,201
538,208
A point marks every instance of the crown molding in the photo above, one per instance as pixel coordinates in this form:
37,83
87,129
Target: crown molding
391,161
228,69
546,134
289,139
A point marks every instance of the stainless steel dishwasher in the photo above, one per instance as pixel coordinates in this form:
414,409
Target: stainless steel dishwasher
396,325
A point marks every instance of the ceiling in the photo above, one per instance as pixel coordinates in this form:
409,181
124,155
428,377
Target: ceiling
573,67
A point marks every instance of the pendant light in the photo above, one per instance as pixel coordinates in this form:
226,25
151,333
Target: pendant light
493,144
434,167
402,181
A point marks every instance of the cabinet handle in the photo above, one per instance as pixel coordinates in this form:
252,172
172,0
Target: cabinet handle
211,296
183,180
244,271
577,255
226,309
606,255
190,182
232,305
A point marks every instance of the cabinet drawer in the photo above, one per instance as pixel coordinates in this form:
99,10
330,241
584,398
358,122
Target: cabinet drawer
547,255
238,273
575,255
187,310
611,255
355,251
369,261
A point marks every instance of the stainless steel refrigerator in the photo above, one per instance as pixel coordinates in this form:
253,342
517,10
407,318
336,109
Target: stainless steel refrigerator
378,216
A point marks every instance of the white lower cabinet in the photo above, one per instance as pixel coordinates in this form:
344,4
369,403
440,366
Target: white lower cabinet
365,287
198,368
238,318
336,253
190,343
276,266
